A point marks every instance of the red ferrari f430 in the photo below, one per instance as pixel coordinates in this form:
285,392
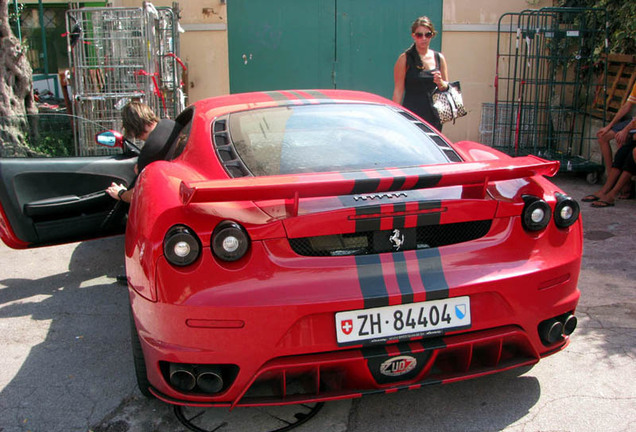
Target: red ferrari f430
315,245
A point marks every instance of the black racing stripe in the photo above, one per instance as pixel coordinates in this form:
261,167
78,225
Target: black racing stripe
371,281
427,181
298,95
365,185
374,355
361,183
368,224
278,97
417,385
317,94
401,273
432,343
427,205
399,221
404,348
424,219
373,351
432,273
398,183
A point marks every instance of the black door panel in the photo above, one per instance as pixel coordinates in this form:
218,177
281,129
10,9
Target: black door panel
50,201
67,204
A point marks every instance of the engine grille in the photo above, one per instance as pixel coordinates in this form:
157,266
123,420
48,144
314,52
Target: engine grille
365,243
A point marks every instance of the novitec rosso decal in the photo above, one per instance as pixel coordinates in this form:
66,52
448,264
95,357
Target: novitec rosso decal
397,366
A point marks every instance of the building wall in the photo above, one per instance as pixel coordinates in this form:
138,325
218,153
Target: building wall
469,42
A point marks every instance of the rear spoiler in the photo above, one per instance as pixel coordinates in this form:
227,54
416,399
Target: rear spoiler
296,186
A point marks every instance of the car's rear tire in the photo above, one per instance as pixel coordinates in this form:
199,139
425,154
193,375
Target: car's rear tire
139,361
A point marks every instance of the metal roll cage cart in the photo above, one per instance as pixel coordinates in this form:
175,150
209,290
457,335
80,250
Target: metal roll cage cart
545,86
120,54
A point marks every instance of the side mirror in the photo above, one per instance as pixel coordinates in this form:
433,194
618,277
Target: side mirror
112,139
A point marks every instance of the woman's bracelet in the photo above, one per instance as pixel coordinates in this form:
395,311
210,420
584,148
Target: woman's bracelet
120,193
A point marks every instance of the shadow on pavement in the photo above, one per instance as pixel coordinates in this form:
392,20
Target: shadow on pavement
607,310
80,341
485,404
79,367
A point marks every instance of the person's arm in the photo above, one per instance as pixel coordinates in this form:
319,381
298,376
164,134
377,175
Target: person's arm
119,192
441,77
399,72
622,112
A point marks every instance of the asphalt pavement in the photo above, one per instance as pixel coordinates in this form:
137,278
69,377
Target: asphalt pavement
65,362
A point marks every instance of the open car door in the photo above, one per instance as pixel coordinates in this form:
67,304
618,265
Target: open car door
52,200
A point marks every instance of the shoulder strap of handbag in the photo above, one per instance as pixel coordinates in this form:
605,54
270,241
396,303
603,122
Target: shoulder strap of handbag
436,60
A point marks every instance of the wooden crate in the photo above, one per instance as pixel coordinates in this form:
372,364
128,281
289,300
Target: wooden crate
621,75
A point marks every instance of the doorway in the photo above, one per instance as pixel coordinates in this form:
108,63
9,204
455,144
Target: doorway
339,44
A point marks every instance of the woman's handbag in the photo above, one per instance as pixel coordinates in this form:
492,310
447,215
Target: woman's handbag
448,103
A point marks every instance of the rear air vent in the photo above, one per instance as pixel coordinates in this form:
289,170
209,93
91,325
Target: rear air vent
443,145
366,243
425,128
226,151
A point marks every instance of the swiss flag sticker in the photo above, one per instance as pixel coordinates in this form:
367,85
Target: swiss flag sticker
346,326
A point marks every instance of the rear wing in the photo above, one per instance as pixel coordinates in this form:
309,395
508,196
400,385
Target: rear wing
296,186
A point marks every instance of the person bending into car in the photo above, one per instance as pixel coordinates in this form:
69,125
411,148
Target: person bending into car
138,121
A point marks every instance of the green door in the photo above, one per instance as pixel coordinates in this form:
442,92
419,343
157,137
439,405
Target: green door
280,44
345,44
371,34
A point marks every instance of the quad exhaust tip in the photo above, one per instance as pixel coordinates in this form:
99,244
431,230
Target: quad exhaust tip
210,379
203,378
554,329
182,377
569,325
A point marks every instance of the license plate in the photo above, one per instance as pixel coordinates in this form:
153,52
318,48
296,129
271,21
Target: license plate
430,318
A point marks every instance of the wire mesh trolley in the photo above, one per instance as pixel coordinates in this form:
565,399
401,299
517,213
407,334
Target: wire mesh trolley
544,85
119,54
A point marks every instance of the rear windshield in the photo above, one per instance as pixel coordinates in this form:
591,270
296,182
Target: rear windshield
329,137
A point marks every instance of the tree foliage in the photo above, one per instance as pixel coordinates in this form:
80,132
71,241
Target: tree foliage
621,19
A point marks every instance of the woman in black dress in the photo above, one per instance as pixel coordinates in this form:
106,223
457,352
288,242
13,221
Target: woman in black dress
419,71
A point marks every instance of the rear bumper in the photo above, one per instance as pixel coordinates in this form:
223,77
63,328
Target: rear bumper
277,324
347,374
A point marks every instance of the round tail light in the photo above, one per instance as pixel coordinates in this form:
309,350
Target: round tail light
230,242
536,214
181,246
566,212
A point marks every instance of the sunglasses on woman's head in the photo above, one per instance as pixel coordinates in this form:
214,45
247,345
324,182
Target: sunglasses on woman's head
419,35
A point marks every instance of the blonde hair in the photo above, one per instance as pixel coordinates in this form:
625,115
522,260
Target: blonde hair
423,21
136,117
